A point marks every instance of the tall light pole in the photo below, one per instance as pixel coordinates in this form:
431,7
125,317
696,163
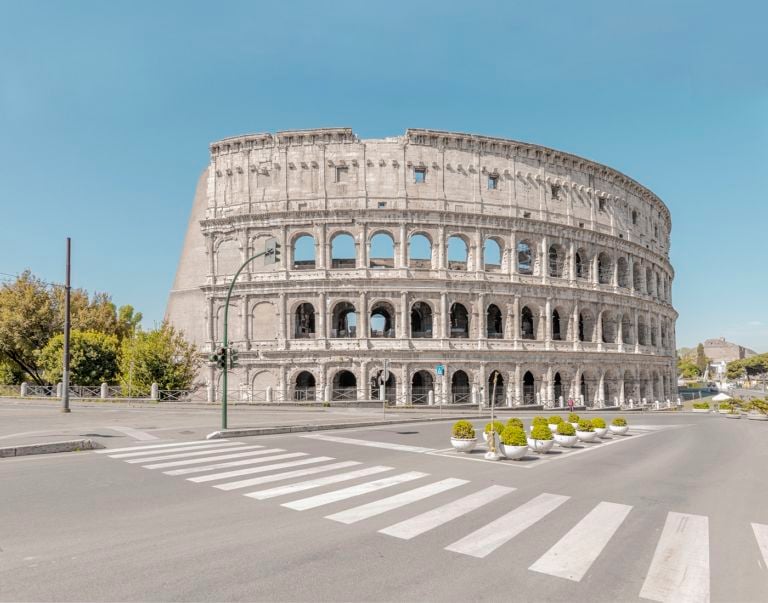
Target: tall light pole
65,372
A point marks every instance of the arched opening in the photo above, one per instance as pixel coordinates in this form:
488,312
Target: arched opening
419,252
637,277
457,253
586,326
642,331
460,393
653,332
556,260
459,321
344,320
492,255
527,330
529,388
629,386
626,329
604,269
305,321
303,253
557,389
496,388
608,391
304,386
648,281
344,386
382,251
582,265
421,384
343,251
390,387
658,285
608,328
495,323
556,333
585,390
382,320
421,320
622,268
525,258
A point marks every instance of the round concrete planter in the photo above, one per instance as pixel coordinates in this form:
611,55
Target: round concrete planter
586,436
601,431
513,452
700,410
757,417
619,429
553,427
733,416
565,441
464,445
540,445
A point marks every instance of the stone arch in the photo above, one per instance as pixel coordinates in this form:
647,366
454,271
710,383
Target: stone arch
556,260
390,387
589,382
649,281
586,326
493,253
260,381
559,325
459,321
229,257
234,322
382,250
642,330
457,252
608,326
304,384
494,322
637,277
629,386
303,251
420,251
343,250
344,320
382,319
499,397
581,261
344,385
529,388
421,320
653,338
622,272
626,329
526,257
422,382
304,321
557,388
460,387
527,323
604,268
263,323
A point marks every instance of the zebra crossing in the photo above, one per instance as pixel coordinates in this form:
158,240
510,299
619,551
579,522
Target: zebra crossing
678,571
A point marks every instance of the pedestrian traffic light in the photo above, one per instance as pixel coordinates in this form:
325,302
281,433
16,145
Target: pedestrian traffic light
221,358
232,358
271,251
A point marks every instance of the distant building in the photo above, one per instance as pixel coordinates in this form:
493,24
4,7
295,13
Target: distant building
722,350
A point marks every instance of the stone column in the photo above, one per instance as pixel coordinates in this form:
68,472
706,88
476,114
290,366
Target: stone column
444,328
482,387
362,320
601,390
363,384
283,384
595,275
320,248
482,327
572,262
322,328
478,255
283,321
599,330
518,385
403,249
362,244
548,323
406,385
513,256
550,386
544,259
441,251
404,326
575,330
509,320
516,321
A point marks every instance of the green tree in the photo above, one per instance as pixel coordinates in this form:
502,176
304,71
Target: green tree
701,359
10,373
92,358
128,321
159,356
687,369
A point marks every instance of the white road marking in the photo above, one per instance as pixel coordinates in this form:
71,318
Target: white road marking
317,483
276,477
152,446
124,455
221,457
239,463
167,456
436,517
487,539
264,469
575,552
345,493
761,534
370,444
679,570
378,507
136,434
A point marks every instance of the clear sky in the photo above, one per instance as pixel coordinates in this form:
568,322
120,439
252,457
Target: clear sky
107,109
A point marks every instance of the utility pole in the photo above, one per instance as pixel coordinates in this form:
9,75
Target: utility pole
65,372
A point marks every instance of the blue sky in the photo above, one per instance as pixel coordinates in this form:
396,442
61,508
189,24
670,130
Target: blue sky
107,109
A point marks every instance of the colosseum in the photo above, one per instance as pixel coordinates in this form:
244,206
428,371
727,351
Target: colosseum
477,267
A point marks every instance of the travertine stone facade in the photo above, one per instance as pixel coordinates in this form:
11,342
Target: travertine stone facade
499,257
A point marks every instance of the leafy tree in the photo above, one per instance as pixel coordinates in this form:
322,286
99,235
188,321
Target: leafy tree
10,373
687,369
701,359
159,356
92,358
128,320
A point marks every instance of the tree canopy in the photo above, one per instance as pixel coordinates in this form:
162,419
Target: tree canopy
93,358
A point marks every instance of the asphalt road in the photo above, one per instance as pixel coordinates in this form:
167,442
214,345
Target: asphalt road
666,512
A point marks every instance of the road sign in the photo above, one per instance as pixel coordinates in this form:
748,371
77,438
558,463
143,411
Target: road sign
440,370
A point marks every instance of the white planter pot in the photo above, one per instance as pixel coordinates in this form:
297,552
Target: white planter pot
464,445
619,429
586,436
575,425
757,417
733,416
601,431
553,427
540,445
513,452
565,441
700,410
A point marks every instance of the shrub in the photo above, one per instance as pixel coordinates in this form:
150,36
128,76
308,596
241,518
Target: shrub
513,436
539,421
496,426
755,405
541,432
585,425
463,430
573,418
566,429
726,407
598,423
555,420
619,422
515,422
701,405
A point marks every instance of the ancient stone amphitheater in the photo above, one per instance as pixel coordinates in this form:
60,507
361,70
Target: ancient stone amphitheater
475,266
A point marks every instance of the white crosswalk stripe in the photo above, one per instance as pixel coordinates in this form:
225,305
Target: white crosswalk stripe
124,455
453,510
679,570
229,464
187,455
156,446
575,553
368,443
220,457
317,483
761,534
345,493
263,469
276,477
487,539
394,502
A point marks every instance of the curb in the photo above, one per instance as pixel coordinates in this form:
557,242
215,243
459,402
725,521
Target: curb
49,448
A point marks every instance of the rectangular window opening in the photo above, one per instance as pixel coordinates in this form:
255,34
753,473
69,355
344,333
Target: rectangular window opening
493,182
342,173
420,175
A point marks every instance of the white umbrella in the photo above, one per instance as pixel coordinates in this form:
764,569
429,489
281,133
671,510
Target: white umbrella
721,398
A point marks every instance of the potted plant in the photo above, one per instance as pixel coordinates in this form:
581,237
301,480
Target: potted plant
514,444
554,421
463,436
701,407
565,435
619,426
515,422
585,432
540,439
598,425
573,419
725,408
496,426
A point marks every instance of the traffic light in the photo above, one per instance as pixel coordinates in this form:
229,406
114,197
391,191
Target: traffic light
271,251
220,358
232,358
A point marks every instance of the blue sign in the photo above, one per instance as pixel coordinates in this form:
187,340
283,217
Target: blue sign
440,370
